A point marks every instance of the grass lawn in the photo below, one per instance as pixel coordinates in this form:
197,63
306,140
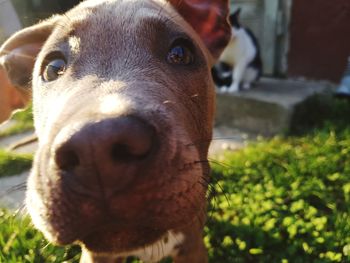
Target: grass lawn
286,199
20,242
283,200
13,164
24,122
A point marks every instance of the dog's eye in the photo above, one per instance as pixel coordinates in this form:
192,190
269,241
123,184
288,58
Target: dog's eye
54,69
181,53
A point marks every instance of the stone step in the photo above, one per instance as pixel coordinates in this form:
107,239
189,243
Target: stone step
267,109
12,191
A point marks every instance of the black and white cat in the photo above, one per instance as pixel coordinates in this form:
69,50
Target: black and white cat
240,64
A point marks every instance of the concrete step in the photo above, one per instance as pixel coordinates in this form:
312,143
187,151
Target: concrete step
267,109
12,191
8,142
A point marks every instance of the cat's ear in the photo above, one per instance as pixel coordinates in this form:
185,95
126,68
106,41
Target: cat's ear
234,18
237,12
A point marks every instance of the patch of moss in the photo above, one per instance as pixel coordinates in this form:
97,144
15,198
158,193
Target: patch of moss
12,164
319,111
20,242
283,200
24,122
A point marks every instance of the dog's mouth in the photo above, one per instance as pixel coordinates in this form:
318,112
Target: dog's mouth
166,193
127,221
111,237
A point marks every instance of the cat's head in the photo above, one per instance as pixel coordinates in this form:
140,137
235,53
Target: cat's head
234,19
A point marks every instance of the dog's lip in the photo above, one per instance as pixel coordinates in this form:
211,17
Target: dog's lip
112,236
77,187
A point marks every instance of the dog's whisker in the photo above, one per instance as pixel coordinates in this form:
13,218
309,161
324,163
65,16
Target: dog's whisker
204,141
46,246
197,142
13,189
217,183
23,210
217,162
201,216
17,211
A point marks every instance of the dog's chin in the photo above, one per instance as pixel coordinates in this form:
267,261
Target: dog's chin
115,240
129,224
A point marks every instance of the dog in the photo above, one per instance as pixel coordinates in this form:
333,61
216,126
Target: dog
15,93
10,98
123,106
240,64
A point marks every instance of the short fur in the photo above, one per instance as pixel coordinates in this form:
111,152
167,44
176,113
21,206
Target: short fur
118,75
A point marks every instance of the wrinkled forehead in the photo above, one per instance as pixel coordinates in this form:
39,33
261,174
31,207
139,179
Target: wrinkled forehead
119,14
126,17
121,9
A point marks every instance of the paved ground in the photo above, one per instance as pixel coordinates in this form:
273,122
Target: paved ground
12,191
12,188
225,138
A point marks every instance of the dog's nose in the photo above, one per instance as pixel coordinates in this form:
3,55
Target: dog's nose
110,151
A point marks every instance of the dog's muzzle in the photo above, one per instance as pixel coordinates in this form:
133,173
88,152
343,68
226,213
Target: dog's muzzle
107,154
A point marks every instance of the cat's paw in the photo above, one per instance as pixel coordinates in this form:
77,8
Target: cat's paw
246,86
222,89
233,88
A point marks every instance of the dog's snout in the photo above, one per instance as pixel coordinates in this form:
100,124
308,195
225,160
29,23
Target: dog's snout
134,141
128,139
111,148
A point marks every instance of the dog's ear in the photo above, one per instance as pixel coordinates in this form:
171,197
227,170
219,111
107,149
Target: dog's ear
209,18
10,97
17,58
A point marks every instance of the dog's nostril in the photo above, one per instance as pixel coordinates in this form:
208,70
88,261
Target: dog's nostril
67,159
121,152
134,145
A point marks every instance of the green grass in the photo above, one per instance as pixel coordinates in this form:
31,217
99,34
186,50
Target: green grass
282,200
24,122
279,200
13,164
20,242
320,111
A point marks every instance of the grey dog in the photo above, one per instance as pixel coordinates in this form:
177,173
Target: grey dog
123,104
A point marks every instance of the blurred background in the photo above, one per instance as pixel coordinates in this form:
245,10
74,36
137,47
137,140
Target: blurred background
299,38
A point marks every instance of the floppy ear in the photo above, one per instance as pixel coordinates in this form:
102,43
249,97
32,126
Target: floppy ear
10,97
17,58
209,18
